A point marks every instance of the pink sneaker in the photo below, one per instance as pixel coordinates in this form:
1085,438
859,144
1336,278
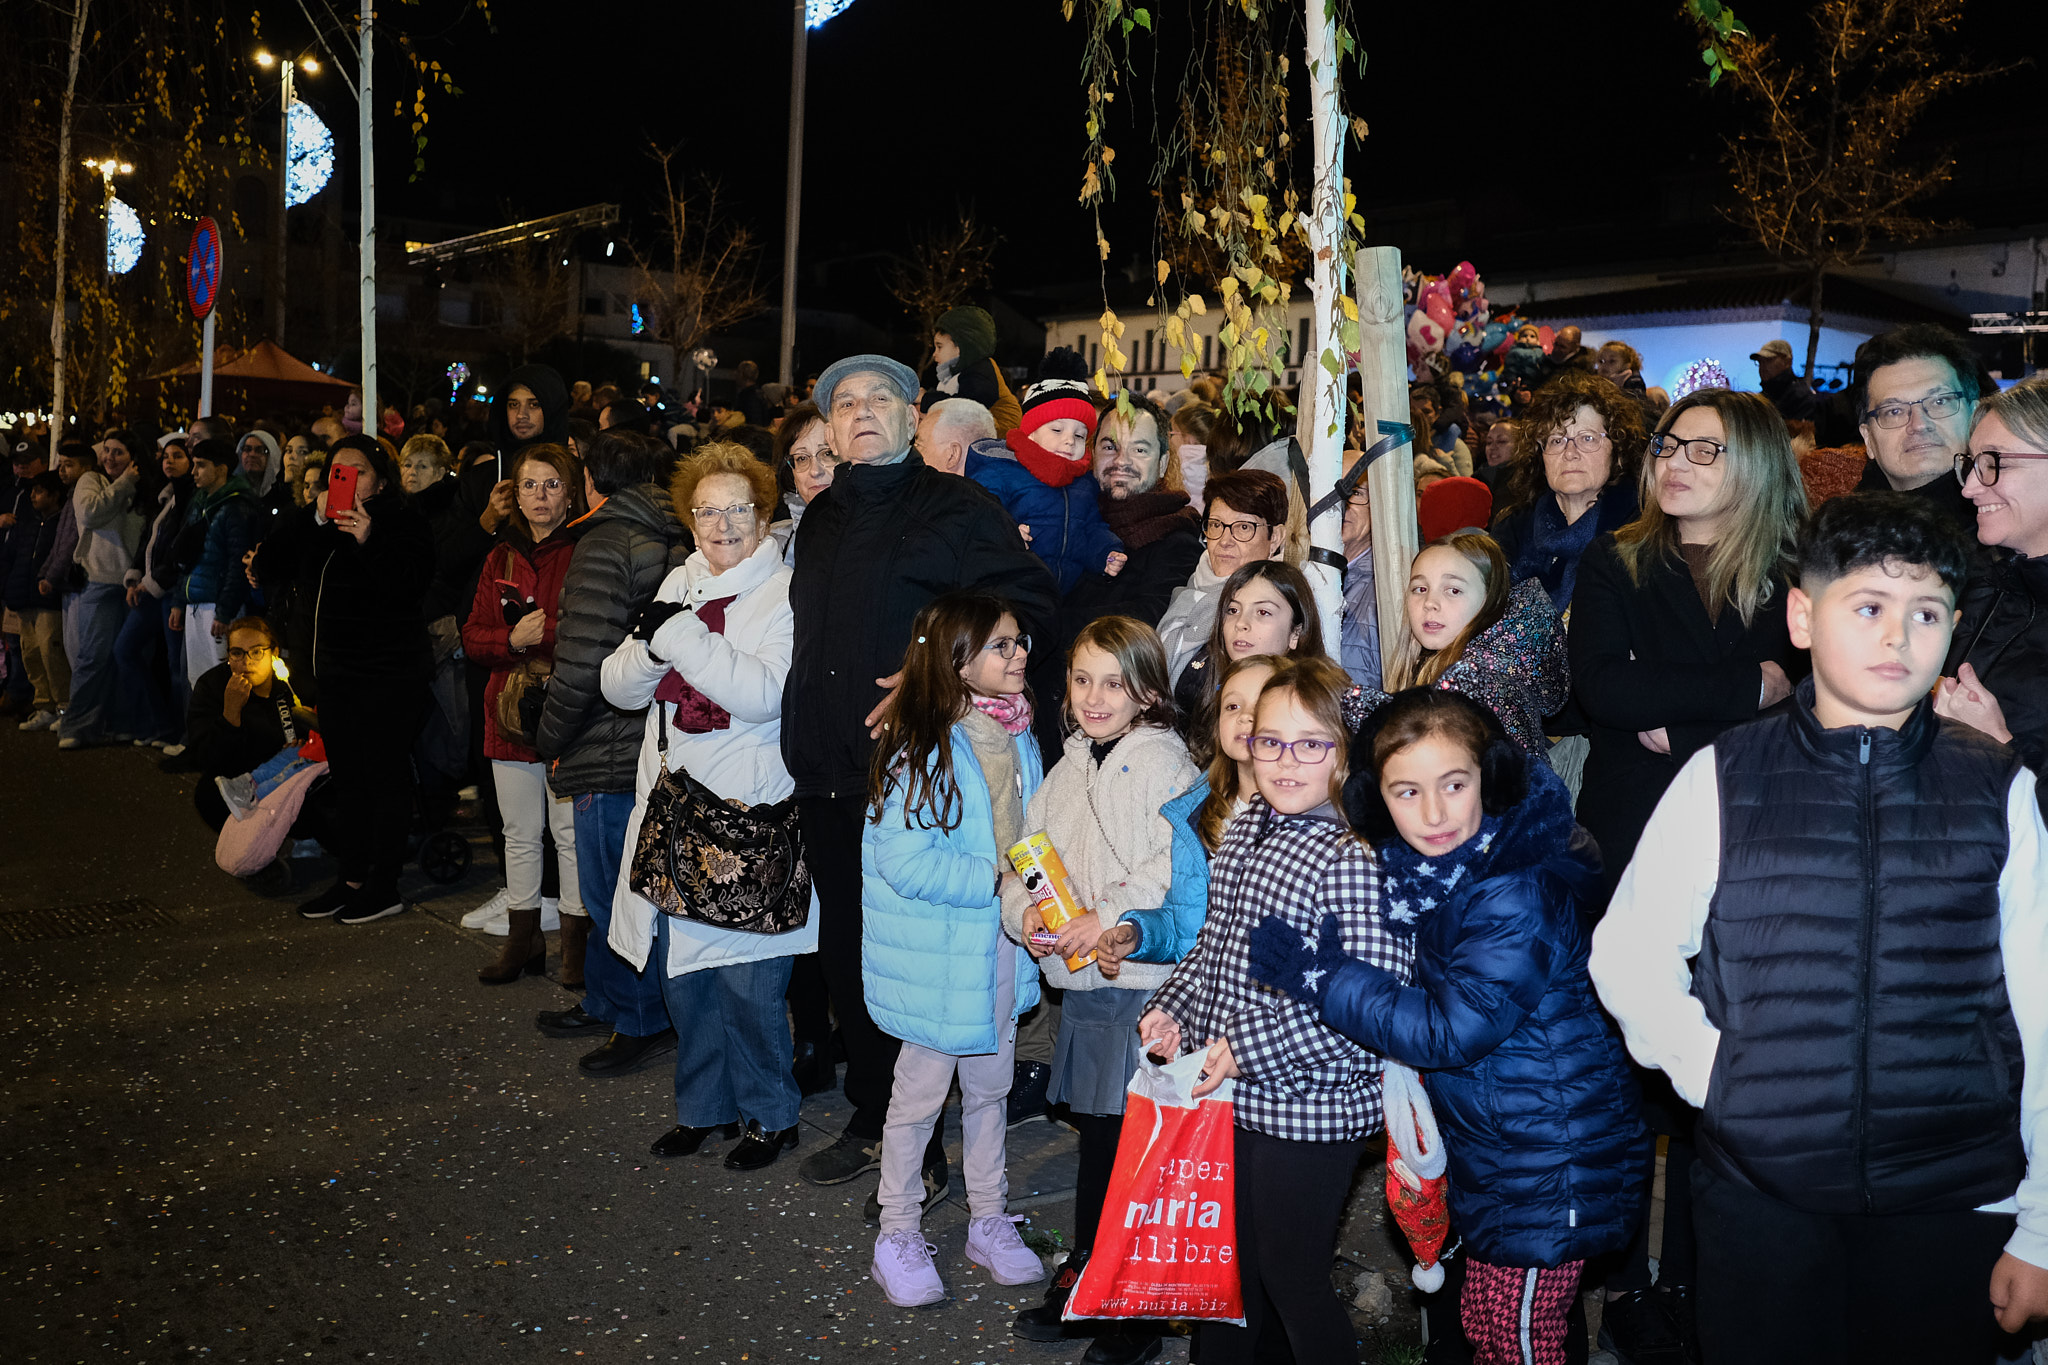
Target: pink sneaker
993,1242
903,1268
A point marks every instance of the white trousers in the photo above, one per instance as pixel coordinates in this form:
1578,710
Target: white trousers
202,651
531,813
917,1100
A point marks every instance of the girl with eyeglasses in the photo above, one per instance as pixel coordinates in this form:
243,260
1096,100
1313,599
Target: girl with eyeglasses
1678,633
511,629
1485,873
947,791
1108,806
1307,1098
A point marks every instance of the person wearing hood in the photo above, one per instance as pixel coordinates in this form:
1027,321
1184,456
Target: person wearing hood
1039,472
263,467
532,404
361,574
144,706
963,366
220,527
109,529
626,544
1486,872
512,625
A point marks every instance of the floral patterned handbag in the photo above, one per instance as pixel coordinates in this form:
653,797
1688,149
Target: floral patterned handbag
718,862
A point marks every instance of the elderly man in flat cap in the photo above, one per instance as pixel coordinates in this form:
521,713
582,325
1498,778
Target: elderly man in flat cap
888,536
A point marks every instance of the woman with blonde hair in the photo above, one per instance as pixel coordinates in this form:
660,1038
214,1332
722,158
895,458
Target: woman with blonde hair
1678,633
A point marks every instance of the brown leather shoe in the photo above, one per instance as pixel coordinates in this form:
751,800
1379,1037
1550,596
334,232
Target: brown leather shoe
575,934
525,951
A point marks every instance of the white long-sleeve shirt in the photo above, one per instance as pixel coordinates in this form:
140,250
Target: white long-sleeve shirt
1658,916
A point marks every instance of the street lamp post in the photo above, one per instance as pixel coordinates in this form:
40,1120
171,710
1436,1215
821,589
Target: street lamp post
288,96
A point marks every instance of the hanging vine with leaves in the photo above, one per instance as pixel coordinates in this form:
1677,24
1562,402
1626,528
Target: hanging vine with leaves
1226,178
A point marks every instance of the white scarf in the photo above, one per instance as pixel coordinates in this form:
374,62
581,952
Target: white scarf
1190,616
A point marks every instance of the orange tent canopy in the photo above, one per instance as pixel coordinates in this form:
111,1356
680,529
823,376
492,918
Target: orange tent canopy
265,375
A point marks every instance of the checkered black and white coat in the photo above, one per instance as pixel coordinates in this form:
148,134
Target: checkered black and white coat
1299,1079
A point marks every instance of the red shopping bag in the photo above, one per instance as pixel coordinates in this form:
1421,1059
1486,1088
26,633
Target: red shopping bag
1167,1243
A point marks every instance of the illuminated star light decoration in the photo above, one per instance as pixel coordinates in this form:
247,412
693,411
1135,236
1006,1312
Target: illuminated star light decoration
310,163
124,237
818,12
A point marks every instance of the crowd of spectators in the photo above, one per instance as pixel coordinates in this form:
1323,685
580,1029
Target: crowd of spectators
929,614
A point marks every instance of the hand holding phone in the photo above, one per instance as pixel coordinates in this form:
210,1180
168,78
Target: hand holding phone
341,489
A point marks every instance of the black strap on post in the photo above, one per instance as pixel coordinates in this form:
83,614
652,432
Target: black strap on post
1393,435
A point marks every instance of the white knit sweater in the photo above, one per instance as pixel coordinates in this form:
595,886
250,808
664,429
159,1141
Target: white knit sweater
1118,849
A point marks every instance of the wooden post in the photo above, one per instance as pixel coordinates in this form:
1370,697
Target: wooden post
1383,366
1322,390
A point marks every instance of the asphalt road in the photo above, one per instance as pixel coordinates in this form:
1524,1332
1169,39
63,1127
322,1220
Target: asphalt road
228,1134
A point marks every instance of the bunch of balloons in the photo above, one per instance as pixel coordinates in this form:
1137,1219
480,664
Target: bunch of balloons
1448,318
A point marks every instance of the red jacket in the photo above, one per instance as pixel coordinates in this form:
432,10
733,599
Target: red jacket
533,574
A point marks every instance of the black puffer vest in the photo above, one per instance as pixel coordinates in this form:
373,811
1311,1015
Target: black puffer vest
1869,1062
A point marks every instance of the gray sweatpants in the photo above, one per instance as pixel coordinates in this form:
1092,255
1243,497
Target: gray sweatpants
917,1100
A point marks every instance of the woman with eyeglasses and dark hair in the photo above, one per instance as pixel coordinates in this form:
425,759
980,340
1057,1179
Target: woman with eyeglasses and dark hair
511,630
1678,632
1999,656
1578,455
804,466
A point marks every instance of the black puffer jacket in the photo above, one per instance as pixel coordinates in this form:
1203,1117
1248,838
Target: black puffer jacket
359,604
2004,637
871,551
628,545
1869,1062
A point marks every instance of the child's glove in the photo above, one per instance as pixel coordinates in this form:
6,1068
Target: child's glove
1283,958
1115,564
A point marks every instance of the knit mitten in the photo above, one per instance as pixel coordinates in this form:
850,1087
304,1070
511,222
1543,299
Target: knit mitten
1288,961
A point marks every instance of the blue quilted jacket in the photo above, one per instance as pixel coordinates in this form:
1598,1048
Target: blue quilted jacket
1067,529
931,925
1166,934
1531,1088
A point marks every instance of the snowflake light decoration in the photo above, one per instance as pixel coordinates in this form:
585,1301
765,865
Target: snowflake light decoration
818,12
310,160
124,237
1701,374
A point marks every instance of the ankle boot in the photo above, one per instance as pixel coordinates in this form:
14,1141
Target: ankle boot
525,951
575,934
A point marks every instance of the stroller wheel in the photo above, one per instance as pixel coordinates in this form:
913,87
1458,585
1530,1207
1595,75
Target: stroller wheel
445,856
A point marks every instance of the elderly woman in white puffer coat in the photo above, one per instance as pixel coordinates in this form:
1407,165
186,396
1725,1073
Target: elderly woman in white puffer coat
708,663
1100,806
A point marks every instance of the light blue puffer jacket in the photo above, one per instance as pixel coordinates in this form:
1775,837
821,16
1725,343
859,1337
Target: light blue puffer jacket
1168,933
931,924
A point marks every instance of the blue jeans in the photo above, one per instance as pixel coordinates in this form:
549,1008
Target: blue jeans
101,608
143,700
732,1041
630,1003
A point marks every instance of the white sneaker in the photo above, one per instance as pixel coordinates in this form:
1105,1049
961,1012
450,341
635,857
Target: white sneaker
490,916
173,750
41,720
993,1242
550,914
71,742
239,793
904,1269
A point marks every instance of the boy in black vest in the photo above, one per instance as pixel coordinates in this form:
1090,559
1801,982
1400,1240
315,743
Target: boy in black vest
1865,1026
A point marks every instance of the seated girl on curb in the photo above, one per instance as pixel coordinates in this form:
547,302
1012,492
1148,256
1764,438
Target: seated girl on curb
947,790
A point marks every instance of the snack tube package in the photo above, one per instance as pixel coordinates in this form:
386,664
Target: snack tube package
1047,884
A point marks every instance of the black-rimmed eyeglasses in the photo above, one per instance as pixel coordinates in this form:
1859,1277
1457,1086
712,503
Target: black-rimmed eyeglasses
1699,450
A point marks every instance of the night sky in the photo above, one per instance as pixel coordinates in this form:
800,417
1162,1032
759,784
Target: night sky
1526,115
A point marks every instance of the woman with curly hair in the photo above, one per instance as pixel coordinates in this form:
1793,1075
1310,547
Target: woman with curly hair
1578,451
